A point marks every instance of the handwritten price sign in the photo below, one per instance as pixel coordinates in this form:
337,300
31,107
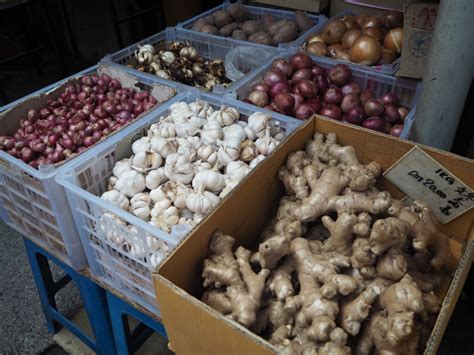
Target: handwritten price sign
422,177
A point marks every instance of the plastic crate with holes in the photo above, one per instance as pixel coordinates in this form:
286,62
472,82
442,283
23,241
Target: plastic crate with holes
31,201
407,90
389,69
209,47
121,248
257,13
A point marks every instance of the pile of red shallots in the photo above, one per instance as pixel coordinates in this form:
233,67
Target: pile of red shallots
87,111
300,88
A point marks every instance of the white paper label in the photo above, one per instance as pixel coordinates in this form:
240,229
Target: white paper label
423,178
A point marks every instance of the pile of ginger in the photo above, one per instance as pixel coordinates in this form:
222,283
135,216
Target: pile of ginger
343,267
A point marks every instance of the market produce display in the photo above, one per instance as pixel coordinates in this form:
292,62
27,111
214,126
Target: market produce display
184,166
299,87
234,22
86,112
342,268
362,39
182,63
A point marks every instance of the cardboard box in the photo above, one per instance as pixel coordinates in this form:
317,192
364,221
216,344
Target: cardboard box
305,5
195,328
369,7
418,29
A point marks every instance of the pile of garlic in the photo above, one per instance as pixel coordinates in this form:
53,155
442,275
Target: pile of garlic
188,162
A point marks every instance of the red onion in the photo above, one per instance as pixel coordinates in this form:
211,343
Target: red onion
403,112
138,109
272,77
317,70
89,141
282,66
321,82
307,88
301,74
333,96
110,107
373,107
390,98
387,127
301,61
374,123
304,111
8,143
20,144
57,156
262,87
299,99
340,74
257,97
355,115
284,101
365,95
349,102
396,130
331,111
15,152
391,114
279,88
351,88
124,115
37,146
97,134
32,115
52,139
315,103
44,112
27,154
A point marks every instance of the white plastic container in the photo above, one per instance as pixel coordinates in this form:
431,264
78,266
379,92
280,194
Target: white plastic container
86,179
31,201
210,47
407,90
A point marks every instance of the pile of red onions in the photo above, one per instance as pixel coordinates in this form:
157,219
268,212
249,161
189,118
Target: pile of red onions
84,113
299,87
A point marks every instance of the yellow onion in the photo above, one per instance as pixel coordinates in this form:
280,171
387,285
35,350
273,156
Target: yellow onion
351,23
394,40
317,48
387,56
372,22
375,32
360,19
333,48
349,38
315,38
393,19
343,55
366,50
334,31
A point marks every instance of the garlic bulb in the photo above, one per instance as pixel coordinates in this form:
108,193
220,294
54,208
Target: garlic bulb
266,144
185,213
140,205
209,180
156,259
234,131
180,112
152,243
167,219
228,188
168,57
225,116
136,248
207,153
256,161
201,108
130,183
248,150
237,170
116,198
187,129
200,165
157,194
211,132
188,52
144,161
155,178
141,145
229,150
187,150
164,128
111,183
195,142
164,74
177,192
162,146
145,53
258,122
280,136
122,166
198,121
179,168
202,202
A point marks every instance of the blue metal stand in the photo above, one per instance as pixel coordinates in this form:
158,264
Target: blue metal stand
126,341
93,297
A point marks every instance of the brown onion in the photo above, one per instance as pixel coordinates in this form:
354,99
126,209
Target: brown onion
343,55
351,23
258,98
333,49
394,40
366,50
315,38
349,38
375,32
372,22
334,31
317,48
387,56
393,19
360,19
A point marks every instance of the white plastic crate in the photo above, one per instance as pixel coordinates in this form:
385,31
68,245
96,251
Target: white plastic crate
32,202
256,13
210,47
389,69
86,180
407,90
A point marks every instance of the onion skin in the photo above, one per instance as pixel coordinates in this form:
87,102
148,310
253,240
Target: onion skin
331,111
333,49
351,23
373,107
315,38
372,21
301,61
366,50
394,40
375,32
258,98
374,123
387,57
334,31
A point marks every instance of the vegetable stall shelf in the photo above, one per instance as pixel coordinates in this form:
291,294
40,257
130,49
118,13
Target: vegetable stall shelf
31,201
209,47
258,13
179,281
103,227
407,90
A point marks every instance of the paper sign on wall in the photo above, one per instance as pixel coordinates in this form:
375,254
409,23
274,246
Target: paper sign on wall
421,177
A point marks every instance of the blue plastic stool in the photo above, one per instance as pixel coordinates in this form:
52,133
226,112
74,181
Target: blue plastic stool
126,341
93,297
